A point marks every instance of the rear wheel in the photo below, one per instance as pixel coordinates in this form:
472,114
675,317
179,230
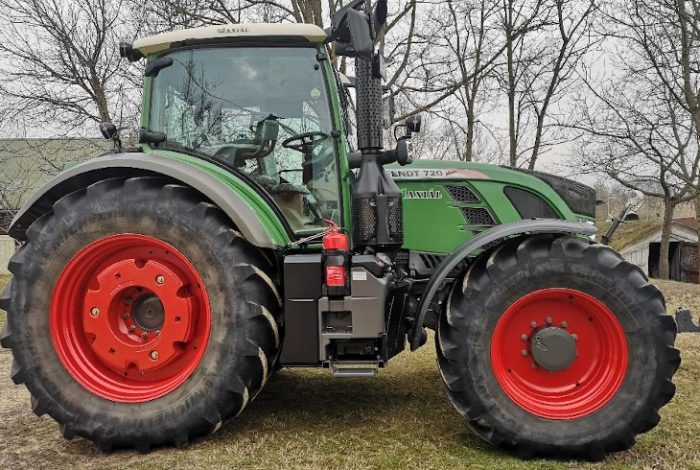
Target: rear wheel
557,347
138,317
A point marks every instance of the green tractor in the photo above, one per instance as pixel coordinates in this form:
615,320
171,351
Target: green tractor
258,225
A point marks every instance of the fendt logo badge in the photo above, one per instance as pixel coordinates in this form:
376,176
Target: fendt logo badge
437,173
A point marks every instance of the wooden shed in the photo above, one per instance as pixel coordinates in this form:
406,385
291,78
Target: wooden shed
640,242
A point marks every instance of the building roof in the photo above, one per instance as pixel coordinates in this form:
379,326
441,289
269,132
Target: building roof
688,222
632,233
28,164
163,41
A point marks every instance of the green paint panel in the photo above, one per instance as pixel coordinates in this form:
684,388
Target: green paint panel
270,221
433,221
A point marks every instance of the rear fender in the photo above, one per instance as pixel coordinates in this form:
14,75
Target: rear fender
253,217
522,227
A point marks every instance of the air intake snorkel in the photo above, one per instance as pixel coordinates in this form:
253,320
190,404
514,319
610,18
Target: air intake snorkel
376,207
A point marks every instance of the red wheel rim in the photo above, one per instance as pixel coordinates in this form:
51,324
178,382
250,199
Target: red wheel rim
588,382
129,318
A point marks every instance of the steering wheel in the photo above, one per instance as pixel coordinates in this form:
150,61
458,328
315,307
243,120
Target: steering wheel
306,140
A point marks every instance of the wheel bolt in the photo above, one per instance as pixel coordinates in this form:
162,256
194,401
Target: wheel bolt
144,335
154,355
533,324
523,353
128,301
564,324
95,312
160,279
575,336
523,337
132,328
548,320
157,332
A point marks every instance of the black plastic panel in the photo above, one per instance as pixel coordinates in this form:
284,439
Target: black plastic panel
302,289
529,205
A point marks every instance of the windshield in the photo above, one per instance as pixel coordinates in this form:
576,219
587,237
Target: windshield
261,111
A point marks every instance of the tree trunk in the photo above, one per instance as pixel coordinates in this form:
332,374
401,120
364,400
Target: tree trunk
697,221
664,267
469,147
513,143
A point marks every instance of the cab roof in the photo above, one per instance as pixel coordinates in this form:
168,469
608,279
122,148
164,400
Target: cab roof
160,42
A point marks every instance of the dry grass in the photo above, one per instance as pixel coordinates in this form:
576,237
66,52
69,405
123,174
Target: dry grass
401,419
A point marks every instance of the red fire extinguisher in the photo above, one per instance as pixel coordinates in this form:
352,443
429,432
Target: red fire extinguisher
336,261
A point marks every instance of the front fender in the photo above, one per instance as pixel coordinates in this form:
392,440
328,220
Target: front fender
251,214
521,227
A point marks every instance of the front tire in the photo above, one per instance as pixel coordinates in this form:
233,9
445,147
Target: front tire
555,346
138,316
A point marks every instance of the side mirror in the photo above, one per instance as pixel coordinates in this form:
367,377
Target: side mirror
108,130
404,152
351,32
413,123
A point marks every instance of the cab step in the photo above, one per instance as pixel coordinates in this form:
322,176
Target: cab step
355,368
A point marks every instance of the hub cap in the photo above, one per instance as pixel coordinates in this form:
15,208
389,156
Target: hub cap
129,318
559,353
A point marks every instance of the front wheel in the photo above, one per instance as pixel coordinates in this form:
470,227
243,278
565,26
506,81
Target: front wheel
555,346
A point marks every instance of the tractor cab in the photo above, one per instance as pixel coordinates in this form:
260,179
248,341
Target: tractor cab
262,111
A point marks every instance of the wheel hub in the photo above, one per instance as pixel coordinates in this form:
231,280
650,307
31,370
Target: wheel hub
553,348
129,318
559,353
148,312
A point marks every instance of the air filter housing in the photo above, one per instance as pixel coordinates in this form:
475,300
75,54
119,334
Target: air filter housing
377,207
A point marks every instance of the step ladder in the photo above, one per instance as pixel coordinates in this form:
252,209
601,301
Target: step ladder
367,368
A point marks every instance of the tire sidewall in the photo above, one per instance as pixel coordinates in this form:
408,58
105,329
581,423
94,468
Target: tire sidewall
88,220
506,286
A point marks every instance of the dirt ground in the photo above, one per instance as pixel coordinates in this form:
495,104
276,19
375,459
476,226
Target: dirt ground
400,419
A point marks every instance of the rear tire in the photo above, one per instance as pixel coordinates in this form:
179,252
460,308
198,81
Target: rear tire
623,361
243,314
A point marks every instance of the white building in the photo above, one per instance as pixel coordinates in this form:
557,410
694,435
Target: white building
643,249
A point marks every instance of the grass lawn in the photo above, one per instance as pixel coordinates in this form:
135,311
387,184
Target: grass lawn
400,419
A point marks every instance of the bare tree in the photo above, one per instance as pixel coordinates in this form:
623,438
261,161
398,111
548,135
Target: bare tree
455,40
637,133
62,63
540,67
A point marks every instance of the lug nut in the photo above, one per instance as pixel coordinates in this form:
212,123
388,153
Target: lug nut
125,315
160,279
548,320
523,337
575,336
128,301
95,312
157,332
533,324
533,365
523,353
154,355
564,324
144,335
132,328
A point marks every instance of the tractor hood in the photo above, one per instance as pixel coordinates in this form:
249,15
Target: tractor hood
462,199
